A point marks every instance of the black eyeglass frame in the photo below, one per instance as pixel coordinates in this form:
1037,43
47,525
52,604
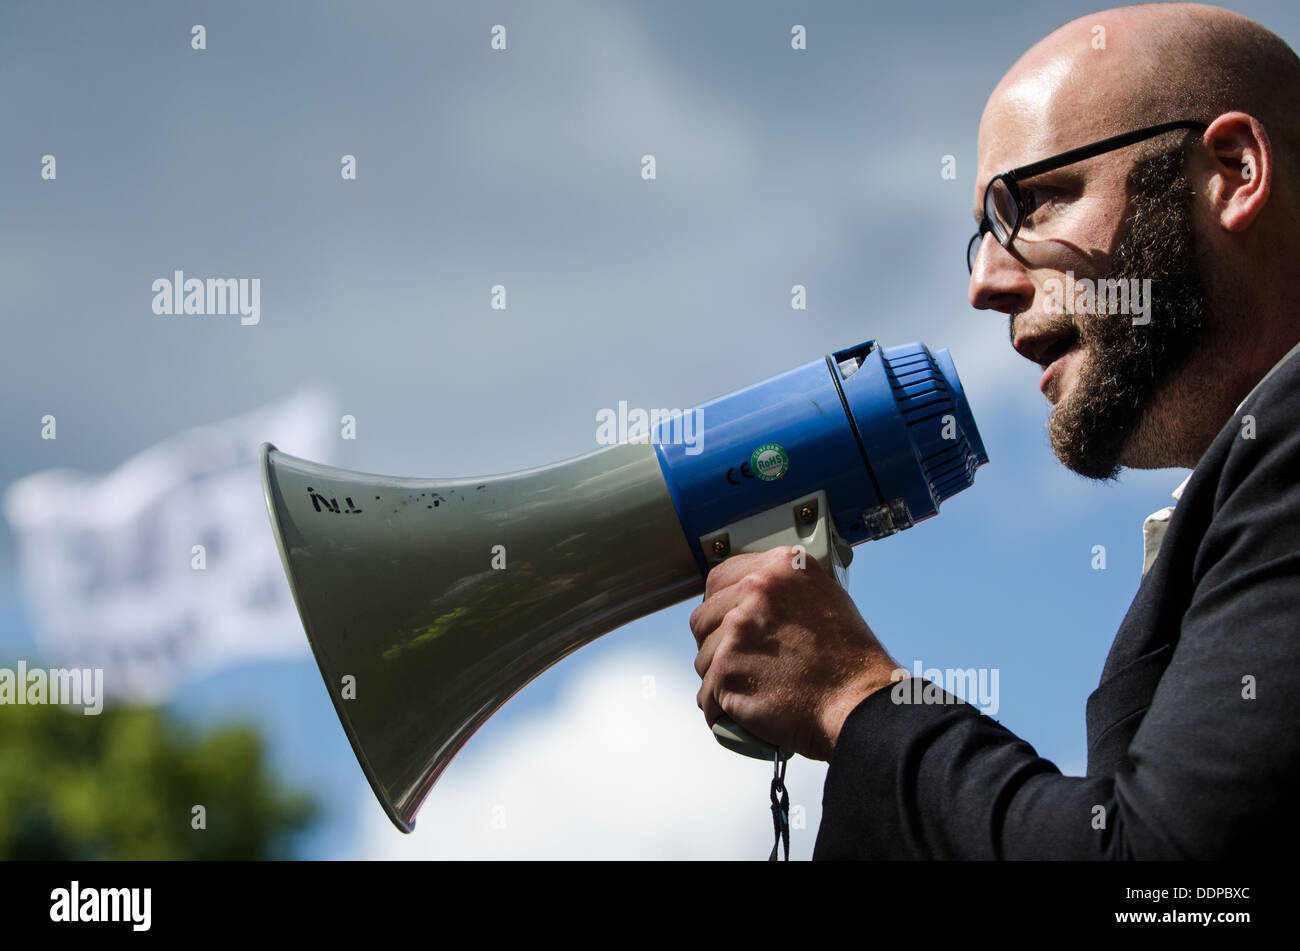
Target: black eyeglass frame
1012,177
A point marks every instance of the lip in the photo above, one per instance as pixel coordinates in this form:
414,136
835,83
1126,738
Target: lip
1048,341
1054,367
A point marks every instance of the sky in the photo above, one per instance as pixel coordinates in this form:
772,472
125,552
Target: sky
522,168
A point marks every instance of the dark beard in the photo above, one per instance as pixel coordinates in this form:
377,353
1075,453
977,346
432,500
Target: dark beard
1125,365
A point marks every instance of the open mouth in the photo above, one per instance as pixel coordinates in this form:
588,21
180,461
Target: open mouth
1053,362
1048,346
1049,352
1056,347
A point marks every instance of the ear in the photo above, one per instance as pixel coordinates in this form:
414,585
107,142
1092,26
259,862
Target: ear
1241,175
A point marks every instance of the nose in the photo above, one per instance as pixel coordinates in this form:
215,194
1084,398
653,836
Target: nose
999,281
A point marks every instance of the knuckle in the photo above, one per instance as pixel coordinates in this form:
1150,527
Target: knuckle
738,623
726,659
731,700
722,663
701,665
720,702
757,584
712,580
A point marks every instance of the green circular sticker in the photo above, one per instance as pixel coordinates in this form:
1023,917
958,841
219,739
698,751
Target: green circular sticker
769,462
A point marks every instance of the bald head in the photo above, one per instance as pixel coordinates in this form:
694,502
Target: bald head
1160,62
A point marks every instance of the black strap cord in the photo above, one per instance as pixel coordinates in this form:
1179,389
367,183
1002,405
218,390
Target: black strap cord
780,808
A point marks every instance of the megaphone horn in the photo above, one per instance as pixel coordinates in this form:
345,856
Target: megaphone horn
428,603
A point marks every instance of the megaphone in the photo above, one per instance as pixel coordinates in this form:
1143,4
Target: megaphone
430,602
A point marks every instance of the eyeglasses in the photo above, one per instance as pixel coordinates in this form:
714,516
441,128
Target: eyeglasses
1004,206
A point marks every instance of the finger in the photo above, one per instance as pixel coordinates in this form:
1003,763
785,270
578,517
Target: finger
730,571
725,678
728,588
739,630
709,706
717,663
747,712
706,618
807,563
708,650
741,708
717,689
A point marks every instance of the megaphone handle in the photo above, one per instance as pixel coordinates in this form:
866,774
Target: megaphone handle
812,529
739,740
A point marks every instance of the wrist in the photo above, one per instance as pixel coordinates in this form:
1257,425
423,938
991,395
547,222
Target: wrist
845,702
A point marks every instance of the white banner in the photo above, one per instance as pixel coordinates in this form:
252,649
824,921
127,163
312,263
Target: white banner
166,567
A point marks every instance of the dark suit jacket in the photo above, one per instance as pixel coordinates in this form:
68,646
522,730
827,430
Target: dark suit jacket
1184,765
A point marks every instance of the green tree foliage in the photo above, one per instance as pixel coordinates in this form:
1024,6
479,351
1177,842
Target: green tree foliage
124,784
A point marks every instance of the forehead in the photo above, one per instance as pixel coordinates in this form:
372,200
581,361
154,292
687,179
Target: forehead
1038,110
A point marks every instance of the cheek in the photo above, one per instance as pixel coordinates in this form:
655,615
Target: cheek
1084,236
1105,334
1092,329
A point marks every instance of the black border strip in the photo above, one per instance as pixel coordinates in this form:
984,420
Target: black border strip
848,413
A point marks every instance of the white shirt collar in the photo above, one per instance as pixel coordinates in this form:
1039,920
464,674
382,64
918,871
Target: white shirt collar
1178,492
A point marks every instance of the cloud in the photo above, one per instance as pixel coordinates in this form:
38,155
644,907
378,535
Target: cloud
619,767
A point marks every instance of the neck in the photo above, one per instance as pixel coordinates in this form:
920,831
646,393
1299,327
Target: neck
1191,408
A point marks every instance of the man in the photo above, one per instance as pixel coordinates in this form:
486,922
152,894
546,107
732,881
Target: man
1194,731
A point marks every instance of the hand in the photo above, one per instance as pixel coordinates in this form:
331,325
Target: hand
784,651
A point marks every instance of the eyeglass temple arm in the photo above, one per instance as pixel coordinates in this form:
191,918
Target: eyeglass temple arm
1097,148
